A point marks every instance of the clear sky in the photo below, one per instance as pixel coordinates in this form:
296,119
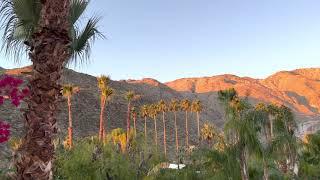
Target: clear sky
170,39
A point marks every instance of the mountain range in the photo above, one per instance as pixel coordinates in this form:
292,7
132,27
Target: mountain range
298,89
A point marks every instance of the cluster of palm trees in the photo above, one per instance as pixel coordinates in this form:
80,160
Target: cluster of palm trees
146,111
264,131
162,107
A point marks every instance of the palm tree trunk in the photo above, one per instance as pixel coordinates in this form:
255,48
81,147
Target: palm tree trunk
49,51
198,122
176,130
243,165
155,132
128,119
70,123
145,128
134,123
187,131
105,123
164,135
101,128
271,126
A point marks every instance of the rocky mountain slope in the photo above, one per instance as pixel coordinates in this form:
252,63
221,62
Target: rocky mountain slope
298,89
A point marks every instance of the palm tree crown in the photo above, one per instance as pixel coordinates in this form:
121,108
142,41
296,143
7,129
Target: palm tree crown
68,90
20,19
174,105
103,81
185,105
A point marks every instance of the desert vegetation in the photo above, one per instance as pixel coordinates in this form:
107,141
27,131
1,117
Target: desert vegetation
257,141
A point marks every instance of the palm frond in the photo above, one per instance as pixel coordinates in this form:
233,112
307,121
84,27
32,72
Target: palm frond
19,19
77,8
83,40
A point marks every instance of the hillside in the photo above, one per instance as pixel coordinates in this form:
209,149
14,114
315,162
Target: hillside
298,89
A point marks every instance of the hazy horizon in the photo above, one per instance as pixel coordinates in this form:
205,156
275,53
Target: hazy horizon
168,40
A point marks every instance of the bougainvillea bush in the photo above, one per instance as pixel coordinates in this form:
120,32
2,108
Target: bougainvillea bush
10,90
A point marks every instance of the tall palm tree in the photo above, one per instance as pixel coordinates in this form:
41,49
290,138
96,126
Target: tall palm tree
68,91
163,108
185,106
105,92
174,107
106,95
153,112
48,30
144,115
134,117
197,108
129,97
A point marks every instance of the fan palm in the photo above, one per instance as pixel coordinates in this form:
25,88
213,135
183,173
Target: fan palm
153,112
144,115
105,93
284,145
185,106
266,132
68,91
197,108
21,19
129,96
240,128
134,117
163,108
48,30
105,96
174,107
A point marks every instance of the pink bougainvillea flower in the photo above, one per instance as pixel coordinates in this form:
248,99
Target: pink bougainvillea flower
4,132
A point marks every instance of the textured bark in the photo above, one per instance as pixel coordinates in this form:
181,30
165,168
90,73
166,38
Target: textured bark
187,130
70,122
176,131
49,49
164,134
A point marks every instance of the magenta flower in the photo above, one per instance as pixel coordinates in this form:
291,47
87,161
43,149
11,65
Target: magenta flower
4,132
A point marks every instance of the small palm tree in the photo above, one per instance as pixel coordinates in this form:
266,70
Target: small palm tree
105,93
144,115
185,106
163,108
174,107
197,108
68,91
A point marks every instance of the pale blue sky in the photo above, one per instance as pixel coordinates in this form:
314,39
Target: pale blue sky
170,39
